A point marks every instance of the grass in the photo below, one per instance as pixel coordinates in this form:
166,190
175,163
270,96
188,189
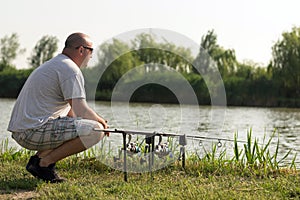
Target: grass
254,172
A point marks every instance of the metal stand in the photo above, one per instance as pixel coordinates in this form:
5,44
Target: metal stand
125,158
150,148
150,140
183,143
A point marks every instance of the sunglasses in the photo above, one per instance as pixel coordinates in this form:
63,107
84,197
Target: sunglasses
89,48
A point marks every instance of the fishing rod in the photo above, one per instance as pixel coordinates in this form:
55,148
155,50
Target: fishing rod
155,133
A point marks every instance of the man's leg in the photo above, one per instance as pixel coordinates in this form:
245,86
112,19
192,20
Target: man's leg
42,154
70,147
72,136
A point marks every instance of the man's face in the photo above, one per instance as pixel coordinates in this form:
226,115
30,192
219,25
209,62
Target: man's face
87,53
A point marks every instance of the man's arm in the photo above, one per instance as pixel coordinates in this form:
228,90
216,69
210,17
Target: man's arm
71,113
80,108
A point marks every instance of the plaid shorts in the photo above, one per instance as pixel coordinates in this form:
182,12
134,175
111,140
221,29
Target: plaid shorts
54,133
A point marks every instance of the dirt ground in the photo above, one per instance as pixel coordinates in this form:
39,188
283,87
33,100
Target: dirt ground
20,194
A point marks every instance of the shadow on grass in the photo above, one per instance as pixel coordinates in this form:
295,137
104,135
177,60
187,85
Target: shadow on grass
15,185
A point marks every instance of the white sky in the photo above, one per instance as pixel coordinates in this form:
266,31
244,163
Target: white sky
249,27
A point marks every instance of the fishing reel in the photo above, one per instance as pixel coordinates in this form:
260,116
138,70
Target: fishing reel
132,147
162,149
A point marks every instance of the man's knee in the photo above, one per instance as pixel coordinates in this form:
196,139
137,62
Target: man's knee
87,133
98,134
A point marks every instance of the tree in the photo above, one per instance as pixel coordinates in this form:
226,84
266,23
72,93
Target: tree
43,50
10,48
177,57
155,53
210,54
203,60
116,58
285,64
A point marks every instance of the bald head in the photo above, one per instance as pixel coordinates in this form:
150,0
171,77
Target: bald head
78,47
76,39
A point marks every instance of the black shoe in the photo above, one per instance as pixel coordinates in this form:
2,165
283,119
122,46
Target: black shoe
57,178
45,173
33,161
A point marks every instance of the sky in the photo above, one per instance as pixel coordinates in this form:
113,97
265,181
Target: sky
250,27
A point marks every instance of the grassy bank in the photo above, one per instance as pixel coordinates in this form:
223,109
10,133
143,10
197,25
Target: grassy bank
92,180
253,173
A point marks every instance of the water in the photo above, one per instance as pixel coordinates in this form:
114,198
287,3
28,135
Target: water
192,120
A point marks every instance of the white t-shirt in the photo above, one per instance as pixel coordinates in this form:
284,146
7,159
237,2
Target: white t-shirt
44,95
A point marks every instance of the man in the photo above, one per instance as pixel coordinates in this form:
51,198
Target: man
51,114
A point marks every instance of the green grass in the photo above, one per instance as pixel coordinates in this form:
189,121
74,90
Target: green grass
93,180
254,172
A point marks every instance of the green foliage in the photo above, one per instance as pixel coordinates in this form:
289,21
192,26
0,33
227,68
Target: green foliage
251,155
150,51
285,64
115,59
43,50
144,56
246,84
212,56
9,49
255,155
8,153
12,81
5,66
250,85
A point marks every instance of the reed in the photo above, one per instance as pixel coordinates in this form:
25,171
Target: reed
251,155
10,153
255,154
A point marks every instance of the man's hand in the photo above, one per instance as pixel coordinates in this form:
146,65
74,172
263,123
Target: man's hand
80,108
105,125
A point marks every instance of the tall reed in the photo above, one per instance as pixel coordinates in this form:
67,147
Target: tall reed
251,155
255,154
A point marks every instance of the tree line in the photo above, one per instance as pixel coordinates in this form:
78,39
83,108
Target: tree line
246,83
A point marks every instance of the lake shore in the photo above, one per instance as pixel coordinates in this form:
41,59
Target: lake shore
247,175
93,180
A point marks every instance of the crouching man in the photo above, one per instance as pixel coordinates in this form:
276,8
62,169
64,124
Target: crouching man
51,115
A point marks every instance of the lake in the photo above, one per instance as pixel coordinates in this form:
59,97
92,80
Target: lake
203,121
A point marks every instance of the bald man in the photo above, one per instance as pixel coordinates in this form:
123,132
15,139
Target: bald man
51,115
